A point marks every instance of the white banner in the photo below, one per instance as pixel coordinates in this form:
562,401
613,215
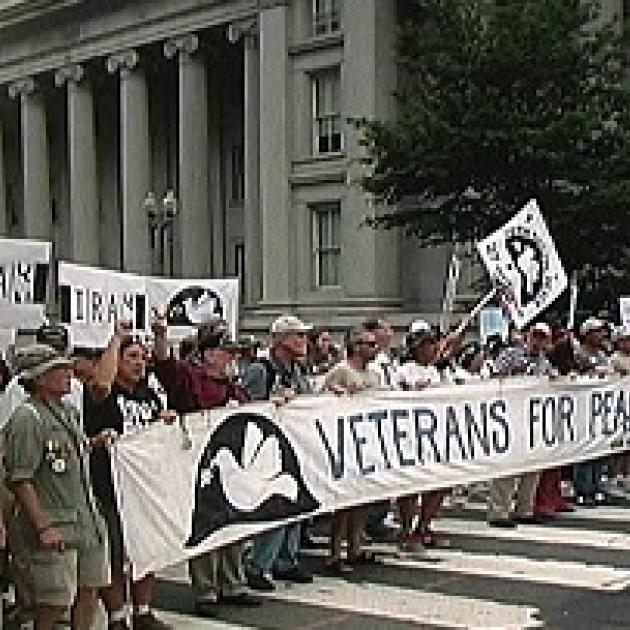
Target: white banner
239,471
624,312
24,268
523,256
91,299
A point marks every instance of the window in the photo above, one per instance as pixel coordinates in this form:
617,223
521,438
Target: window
238,173
326,16
327,136
326,240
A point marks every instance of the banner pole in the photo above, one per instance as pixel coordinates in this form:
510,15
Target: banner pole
484,300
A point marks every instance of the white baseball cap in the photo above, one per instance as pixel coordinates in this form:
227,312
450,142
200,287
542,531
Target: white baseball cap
288,324
420,327
591,324
542,328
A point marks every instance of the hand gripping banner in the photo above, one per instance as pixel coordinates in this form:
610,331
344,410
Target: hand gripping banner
235,472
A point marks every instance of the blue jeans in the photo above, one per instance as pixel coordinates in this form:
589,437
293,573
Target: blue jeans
277,549
588,478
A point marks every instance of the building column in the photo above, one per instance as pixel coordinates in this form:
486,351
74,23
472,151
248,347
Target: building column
84,217
194,218
4,219
253,244
134,160
277,262
37,219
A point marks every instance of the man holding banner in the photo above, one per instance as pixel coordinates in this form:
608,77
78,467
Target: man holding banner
123,404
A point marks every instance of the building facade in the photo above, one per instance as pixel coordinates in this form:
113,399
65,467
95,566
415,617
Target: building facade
236,113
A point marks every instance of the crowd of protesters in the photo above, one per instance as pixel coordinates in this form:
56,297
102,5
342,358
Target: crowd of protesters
62,409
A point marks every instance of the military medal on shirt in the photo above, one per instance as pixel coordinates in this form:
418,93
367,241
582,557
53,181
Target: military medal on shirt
57,455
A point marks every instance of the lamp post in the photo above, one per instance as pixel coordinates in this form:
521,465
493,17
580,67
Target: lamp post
161,217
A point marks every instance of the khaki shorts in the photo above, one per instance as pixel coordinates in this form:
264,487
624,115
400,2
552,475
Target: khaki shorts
55,577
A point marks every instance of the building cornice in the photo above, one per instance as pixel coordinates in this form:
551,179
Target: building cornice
162,21
15,11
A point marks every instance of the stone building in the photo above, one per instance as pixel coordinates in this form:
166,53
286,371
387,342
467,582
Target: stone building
240,109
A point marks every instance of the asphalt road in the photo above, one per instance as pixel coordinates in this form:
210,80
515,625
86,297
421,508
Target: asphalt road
572,573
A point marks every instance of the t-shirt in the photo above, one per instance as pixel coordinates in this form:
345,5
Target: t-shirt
123,411
385,368
410,373
347,376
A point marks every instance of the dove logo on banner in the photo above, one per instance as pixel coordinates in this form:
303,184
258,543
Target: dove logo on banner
248,472
522,256
193,306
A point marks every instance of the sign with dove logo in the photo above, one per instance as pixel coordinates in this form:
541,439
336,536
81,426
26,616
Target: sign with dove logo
248,472
523,256
192,306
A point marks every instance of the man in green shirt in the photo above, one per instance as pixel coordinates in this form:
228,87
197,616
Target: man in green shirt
61,541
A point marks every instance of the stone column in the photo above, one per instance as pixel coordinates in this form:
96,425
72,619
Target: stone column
4,219
134,160
194,218
277,263
253,244
37,221
84,217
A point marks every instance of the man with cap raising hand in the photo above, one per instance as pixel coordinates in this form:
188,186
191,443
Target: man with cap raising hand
63,539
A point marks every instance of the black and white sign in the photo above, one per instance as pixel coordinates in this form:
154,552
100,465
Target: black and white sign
241,471
522,255
91,299
24,267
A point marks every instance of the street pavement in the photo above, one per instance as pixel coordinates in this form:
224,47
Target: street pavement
572,573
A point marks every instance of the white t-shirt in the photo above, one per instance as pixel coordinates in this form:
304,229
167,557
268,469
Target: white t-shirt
385,368
410,373
15,395
346,376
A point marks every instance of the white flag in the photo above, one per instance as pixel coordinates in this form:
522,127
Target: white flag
522,255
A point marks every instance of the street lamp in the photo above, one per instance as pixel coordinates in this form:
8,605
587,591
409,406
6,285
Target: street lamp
161,217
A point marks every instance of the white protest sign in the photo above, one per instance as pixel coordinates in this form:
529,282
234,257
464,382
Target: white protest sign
624,312
522,255
241,471
188,303
92,299
492,321
24,268
450,290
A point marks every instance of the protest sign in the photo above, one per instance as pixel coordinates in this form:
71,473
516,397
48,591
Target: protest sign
522,255
92,298
624,312
239,471
24,268
492,321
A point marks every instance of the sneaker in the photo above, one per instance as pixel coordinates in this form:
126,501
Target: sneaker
257,581
149,621
600,498
206,606
294,574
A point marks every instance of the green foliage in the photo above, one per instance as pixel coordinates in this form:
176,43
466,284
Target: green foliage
501,101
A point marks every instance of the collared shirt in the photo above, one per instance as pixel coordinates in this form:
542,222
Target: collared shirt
263,378
43,444
347,376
